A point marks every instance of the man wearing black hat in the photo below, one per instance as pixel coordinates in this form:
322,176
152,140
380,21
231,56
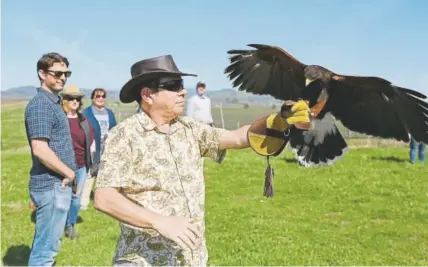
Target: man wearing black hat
151,174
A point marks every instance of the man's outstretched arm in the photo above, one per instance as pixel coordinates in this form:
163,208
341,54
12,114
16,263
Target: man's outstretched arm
298,115
235,139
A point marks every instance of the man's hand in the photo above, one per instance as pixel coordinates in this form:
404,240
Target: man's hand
180,230
45,154
69,178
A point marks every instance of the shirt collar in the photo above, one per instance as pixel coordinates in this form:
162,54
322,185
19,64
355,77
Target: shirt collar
148,124
54,98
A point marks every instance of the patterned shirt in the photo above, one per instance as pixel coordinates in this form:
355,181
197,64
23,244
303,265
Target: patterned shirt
163,173
44,118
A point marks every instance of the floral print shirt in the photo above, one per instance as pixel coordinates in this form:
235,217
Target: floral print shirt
161,172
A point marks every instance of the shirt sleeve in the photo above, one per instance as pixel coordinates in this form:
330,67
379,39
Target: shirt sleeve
91,131
208,138
40,120
116,161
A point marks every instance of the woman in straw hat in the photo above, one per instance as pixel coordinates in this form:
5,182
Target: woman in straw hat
82,135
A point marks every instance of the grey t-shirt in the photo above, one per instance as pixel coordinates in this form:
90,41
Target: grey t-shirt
102,118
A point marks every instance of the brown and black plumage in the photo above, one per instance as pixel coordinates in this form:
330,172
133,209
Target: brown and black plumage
369,105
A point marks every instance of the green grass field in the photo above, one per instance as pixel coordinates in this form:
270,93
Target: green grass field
370,208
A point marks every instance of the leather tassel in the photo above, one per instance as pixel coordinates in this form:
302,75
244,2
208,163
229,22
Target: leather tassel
269,173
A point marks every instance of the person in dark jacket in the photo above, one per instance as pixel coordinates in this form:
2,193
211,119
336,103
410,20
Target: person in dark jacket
102,120
101,117
82,135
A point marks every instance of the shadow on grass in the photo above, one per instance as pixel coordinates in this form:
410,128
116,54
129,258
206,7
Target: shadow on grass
390,158
17,255
290,160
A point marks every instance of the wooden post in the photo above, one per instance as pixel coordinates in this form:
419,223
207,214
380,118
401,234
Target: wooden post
221,115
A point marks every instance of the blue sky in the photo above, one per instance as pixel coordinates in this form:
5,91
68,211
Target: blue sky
102,39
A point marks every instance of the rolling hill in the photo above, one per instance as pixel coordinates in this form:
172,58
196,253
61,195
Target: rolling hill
224,96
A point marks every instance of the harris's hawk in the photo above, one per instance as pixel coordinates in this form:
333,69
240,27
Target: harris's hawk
364,104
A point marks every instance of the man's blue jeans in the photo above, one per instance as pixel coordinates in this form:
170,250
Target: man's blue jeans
51,213
75,198
414,147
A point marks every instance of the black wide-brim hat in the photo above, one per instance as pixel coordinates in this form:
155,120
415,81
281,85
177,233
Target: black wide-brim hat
147,70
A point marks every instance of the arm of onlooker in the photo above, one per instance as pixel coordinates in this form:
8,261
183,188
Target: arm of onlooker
92,148
44,153
95,160
113,119
39,120
93,152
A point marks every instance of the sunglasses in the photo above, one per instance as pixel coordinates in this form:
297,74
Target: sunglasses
71,98
173,86
58,74
100,96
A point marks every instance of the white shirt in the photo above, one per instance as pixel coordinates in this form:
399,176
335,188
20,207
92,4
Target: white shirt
199,108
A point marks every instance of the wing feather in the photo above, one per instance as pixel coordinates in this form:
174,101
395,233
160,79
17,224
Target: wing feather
374,106
267,70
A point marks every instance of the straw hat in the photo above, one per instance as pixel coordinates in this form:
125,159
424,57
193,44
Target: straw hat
72,90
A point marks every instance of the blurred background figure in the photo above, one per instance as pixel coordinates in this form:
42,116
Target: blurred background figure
199,105
414,148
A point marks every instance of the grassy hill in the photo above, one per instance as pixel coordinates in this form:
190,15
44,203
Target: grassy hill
27,92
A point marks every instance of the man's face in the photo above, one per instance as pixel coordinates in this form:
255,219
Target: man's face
201,90
99,99
170,100
55,77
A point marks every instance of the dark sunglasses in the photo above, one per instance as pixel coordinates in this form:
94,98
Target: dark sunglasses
58,74
173,86
71,98
100,96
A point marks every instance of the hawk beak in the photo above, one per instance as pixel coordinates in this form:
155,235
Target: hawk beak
308,81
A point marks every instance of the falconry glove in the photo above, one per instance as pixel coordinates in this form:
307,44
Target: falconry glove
268,135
